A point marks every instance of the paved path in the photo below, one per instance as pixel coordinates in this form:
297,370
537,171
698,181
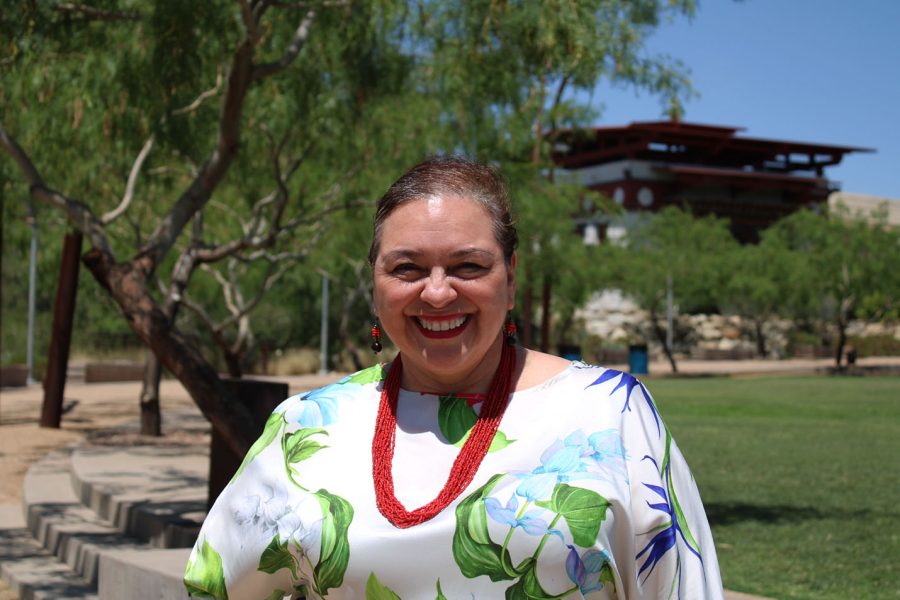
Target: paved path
104,416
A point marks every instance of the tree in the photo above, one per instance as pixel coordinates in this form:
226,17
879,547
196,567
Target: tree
763,282
534,63
674,249
231,131
851,266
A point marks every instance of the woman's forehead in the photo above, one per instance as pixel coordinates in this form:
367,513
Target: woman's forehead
449,224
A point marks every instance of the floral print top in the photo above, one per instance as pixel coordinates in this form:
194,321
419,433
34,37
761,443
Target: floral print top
583,494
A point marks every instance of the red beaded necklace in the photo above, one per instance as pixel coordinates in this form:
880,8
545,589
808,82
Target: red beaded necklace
467,461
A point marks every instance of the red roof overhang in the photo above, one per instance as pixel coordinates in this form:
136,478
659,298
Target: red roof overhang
692,143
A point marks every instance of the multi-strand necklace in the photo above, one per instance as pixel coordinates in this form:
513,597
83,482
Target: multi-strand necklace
467,461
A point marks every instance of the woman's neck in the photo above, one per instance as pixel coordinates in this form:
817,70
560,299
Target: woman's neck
476,381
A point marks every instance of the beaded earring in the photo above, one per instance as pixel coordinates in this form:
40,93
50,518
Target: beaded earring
509,329
376,337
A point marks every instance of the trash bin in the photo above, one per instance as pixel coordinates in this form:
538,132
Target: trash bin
638,359
570,351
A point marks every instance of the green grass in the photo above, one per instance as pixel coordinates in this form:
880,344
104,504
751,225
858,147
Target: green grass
800,477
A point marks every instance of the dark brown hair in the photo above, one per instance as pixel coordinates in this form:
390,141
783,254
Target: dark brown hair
446,176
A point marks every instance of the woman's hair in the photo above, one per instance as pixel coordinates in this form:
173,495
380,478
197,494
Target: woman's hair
451,176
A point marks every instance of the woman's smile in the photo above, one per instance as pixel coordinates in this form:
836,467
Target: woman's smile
442,327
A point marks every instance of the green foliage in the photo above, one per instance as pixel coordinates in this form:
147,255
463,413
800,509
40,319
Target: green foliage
875,345
373,90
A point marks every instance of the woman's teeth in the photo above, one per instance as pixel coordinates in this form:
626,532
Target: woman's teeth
443,324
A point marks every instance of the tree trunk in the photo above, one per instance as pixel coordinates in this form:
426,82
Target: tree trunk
661,337
760,337
151,418
841,341
233,363
545,316
127,285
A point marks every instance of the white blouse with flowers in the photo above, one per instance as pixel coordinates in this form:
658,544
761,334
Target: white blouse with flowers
583,494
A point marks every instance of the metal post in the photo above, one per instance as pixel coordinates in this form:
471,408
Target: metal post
32,286
61,336
323,344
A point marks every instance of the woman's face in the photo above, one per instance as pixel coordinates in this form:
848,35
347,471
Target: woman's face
442,290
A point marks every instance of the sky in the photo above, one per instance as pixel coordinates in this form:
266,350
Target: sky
820,71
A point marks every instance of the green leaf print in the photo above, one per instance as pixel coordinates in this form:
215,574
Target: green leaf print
474,551
456,420
376,591
204,576
529,588
582,509
373,374
297,448
499,442
440,592
270,432
334,551
276,556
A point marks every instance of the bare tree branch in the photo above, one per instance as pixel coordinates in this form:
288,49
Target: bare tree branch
129,187
240,76
90,13
79,214
202,97
201,188
290,53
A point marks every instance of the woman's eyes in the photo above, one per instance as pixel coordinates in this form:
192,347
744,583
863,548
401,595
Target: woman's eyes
468,269
405,269
464,270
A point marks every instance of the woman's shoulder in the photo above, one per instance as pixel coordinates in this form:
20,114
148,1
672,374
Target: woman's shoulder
539,369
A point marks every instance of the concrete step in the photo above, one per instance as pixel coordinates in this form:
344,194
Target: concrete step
144,575
155,494
30,571
58,521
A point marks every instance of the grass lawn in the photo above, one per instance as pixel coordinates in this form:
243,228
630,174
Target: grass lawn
800,477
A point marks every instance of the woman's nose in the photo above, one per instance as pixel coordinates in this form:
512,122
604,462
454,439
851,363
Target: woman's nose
438,290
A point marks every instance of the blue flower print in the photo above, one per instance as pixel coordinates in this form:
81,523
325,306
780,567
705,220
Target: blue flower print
576,457
607,450
318,408
561,462
667,537
585,570
630,383
506,515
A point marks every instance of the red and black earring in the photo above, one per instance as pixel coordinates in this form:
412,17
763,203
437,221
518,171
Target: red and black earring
509,329
376,337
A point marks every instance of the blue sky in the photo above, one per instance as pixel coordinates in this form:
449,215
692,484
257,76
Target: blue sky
825,71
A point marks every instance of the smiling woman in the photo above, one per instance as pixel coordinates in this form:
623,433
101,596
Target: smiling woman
529,476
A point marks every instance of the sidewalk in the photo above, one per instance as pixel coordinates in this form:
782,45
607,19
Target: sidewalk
114,469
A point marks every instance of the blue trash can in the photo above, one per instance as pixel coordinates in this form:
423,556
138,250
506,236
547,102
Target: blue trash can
638,359
569,351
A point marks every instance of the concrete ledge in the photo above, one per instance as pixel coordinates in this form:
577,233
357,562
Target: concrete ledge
13,376
143,575
113,371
